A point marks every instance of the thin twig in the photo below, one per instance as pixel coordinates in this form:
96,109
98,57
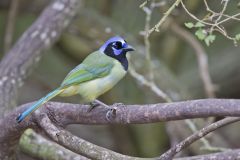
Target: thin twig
148,11
202,59
166,14
217,14
141,79
206,144
216,25
220,15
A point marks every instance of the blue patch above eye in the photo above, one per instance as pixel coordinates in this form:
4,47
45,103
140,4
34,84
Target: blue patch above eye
113,39
125,45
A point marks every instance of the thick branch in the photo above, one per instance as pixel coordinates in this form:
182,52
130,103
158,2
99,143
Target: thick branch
69,113
63,114
39,147
79,145
16,65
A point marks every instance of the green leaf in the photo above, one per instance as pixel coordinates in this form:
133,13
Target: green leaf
199,25
189,25
237,36
209,39
201,34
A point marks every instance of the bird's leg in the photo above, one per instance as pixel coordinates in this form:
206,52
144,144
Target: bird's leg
96,103
101,103
92,106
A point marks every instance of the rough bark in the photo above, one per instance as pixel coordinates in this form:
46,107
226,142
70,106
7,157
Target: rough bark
62,114
228,155
39,147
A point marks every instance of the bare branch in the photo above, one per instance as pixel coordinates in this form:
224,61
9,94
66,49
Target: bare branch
39,147
215,24
66,113
154,88
196,136
163,19
201,58
232,154
79,145
16,65
63,114
148,11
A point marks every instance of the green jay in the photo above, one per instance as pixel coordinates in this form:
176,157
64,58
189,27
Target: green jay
98,73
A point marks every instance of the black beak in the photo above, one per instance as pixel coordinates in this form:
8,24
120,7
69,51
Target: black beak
129,48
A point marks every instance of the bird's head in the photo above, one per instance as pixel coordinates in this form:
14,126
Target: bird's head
116,47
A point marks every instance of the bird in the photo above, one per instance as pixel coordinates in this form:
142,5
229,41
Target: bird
98,73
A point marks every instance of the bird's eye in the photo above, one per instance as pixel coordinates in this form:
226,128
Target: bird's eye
117,45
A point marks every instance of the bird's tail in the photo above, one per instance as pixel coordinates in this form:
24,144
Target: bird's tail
39,103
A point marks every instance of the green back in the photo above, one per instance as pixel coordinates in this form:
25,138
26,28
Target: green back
95,65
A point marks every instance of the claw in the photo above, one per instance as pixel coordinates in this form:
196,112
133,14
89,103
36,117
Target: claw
92,106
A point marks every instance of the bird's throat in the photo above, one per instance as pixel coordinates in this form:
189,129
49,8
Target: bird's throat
124,62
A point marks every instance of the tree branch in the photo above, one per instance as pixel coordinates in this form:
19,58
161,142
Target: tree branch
196,136
39,147
79,145
16,65
166,14
32,139
18,62
231,155
62,114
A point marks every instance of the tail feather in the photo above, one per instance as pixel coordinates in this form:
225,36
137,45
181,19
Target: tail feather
39,103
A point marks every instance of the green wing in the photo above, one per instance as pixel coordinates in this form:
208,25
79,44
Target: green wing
96,65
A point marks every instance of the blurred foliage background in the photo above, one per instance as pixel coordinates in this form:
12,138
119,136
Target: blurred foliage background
174,64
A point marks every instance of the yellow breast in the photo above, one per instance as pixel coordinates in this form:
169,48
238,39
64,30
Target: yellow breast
90,90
